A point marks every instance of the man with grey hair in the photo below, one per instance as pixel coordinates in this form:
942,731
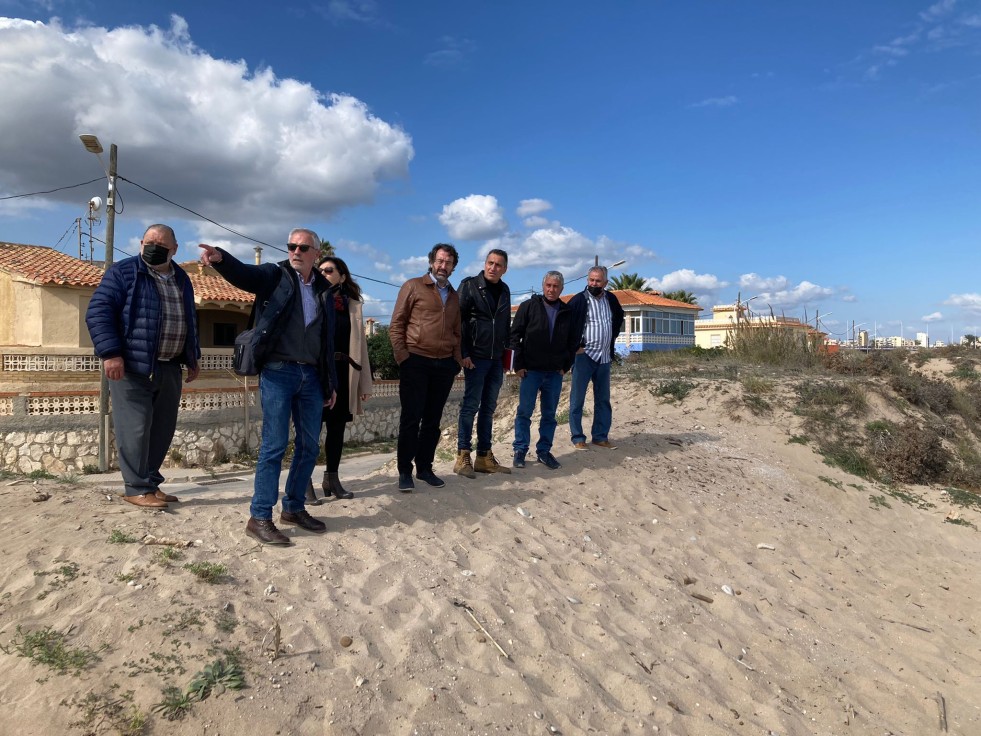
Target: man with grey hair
544,344
597,321
293,346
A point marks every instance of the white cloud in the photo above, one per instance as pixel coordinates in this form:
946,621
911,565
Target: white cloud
339,11
562,248
687,280
452,52
970,303
727,101
476,217
849,298
755,282
804,294
230,142
938,10
533,207
535,221
933,317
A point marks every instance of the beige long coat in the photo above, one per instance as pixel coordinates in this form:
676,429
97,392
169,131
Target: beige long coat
359,381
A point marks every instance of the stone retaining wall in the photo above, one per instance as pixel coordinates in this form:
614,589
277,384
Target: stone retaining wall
69,442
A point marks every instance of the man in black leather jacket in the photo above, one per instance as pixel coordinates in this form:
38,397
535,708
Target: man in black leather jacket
485,319
294,348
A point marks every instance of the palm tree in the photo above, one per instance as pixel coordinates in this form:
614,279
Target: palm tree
971,340
326,249
681,296
629,281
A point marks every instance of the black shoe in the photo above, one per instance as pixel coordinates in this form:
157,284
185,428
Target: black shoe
519,460
266,532
405,482
303,520
311,497
428,476
332,487
548,460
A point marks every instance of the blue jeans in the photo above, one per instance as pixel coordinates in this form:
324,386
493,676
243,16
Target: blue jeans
549,383
482,384
585,370
287,390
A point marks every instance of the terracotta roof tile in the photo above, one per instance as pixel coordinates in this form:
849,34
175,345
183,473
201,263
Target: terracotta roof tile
631,297
44,265
208,288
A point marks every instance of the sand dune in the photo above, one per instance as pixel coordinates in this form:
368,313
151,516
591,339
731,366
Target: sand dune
700,579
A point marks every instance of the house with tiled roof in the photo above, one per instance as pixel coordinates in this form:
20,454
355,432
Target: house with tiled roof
652,322
44,295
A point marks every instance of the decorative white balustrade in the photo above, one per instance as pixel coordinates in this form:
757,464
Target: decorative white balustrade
21,362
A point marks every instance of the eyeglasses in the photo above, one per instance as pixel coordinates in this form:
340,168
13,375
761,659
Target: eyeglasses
293,246
326,269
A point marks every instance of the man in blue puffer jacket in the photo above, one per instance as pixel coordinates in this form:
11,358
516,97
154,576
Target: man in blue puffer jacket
144,328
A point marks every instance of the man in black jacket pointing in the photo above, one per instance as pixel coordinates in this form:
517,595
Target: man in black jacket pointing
294,349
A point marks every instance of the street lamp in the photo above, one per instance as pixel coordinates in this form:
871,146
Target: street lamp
92,145
614,265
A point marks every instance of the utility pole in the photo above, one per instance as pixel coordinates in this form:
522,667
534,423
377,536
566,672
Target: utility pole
104,383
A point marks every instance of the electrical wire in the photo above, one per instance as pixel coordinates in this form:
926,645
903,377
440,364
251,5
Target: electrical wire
203,217
49,191
69,230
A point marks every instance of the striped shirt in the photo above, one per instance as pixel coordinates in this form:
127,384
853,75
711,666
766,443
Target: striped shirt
599,328
308,298
173,328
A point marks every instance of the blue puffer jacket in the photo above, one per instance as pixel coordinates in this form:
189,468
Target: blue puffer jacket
124,317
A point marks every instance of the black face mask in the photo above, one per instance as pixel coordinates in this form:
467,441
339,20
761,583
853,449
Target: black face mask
595,290
154,254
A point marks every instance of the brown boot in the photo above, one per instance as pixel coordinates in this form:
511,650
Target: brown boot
487,463
266,532
463,466
311,497
332,486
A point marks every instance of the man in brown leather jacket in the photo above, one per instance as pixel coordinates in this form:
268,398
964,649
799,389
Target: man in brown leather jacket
425,335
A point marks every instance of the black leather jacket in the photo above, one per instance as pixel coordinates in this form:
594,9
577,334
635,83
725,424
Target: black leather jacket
485,332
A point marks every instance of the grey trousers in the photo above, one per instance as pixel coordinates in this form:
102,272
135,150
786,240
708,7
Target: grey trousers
144,416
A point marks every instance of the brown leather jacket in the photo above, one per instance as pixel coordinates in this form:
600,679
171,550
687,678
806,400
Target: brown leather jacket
422,325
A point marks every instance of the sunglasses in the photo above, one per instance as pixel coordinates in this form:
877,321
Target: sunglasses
293,246
326,269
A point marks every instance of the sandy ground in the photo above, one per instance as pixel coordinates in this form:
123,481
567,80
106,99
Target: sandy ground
706,577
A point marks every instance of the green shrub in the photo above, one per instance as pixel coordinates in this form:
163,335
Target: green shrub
927,393
676,389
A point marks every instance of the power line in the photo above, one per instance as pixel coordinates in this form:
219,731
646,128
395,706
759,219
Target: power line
49,191
203,217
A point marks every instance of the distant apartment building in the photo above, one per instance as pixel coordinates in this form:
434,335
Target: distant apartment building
863,338
923,339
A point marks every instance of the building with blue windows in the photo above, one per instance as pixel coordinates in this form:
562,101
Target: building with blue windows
652,322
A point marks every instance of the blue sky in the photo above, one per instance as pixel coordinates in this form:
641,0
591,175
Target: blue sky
825,156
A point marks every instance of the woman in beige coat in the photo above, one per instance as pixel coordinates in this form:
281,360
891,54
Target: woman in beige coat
353,370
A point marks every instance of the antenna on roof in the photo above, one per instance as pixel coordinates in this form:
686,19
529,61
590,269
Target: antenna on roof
95,204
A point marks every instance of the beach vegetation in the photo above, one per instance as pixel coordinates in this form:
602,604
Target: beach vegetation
105,713
49,648
209,572
118,536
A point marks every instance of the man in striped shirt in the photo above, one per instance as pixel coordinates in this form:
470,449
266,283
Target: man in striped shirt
598,317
